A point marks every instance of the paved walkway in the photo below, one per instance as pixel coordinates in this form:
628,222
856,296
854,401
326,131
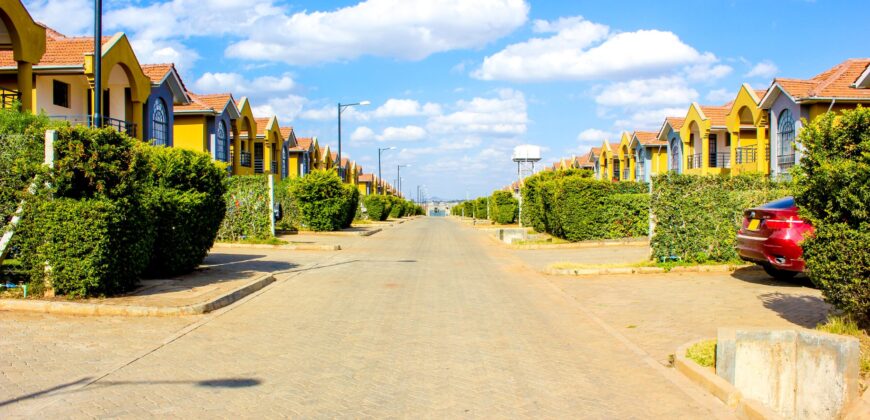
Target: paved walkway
426,319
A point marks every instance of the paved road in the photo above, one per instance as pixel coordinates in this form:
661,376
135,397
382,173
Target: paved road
426,319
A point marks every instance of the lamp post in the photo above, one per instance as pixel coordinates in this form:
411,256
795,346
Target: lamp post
341,108
379,164
98,63
399,176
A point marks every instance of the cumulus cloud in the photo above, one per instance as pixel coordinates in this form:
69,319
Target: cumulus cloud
362,134
405,108
763,70
402,29
69,17
647,92
717,96
286,108
391,134
239,85
505,114
707,72
579,49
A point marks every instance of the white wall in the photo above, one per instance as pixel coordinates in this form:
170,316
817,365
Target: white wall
117,82
78,100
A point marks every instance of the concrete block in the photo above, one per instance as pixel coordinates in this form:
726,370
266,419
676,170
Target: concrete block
725,342
827,374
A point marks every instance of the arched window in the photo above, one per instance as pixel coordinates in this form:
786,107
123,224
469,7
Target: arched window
676,159
221,146
785,135
159,124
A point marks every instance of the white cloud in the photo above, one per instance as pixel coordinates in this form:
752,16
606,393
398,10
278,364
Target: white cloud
239,85
594,136
706,72
286,108
329,112
160,51
584,50
69,17
649,119
647,92
389,134
403,29
504,115
405,108
763,70
720,95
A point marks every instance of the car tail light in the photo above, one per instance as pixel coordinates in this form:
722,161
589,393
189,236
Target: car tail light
782,224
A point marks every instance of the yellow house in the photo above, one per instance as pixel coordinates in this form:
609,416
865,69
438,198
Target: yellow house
243,144
294,157
706,140
23,41
649,155
366,184
207,124
326,157
609,164
63,80
267,147
625,157
747,127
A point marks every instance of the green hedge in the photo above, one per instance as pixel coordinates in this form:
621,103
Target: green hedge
21,156
187,203
376,207
503,207
535,212
697,217
247,209
93,246
350,205
290,214
832,189
323,201
397,207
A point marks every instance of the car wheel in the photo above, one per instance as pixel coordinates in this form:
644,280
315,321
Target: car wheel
779,274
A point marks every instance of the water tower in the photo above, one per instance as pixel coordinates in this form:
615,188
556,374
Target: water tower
525,155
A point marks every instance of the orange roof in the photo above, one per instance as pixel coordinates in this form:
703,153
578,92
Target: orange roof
156,72
262,123
333,156
215,101
836,82
366,178
595,151
648,138
614,146
760,93
304,142
196,104
59,51
582,161
285,132
675,122
716,114
344,161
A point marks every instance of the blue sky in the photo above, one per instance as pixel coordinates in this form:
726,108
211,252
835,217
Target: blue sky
456,84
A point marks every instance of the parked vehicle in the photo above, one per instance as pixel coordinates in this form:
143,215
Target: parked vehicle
771,237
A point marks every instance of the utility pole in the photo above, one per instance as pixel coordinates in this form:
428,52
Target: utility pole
98,63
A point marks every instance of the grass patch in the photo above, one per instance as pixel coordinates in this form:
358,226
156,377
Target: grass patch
668,265
545,241
362,222
843,325
703,353
253,241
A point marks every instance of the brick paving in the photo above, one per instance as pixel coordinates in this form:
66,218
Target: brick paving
426,319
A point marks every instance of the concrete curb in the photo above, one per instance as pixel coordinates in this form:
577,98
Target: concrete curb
298,247
102,309
726,268
708,380
370,232
585,244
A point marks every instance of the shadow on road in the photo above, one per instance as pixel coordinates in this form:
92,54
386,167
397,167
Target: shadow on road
755,276
804,310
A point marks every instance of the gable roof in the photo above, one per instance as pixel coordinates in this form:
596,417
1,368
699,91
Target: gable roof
60,51
838,82
166,72
366,178
716,114
648,138
304,143
286,132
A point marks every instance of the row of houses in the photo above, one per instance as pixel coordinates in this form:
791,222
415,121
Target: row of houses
48,72
756,132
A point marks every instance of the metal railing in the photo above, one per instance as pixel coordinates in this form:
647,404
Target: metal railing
785,161
274,166
694,161
9,98
245,159
747,154
122,126
625,174
720,160
638,173
258,166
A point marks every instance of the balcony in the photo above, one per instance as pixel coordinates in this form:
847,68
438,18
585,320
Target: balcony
694,161
720,160
274,166
625,174
258,166
785,161
245,159
122,126
9,98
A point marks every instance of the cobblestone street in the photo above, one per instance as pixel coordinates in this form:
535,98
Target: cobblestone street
426,319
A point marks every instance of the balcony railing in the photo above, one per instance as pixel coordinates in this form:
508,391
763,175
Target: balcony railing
245,159
258,166
274,166
625,174
122,126
785,161
639,173
720,160
9,98
694,161
746,154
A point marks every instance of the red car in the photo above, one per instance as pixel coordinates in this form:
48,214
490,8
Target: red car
771,237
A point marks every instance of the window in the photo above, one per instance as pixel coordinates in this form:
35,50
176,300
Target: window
221,152
159,124
61,93
728,139
785,134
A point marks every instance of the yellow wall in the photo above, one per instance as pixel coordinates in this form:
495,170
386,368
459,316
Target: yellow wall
293,165
748,134
626,157
189,132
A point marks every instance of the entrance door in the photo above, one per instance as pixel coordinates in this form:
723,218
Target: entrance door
713,139
258,158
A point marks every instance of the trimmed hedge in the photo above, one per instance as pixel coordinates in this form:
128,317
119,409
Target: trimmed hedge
187,203
247,209
290,218
397,209
21,155
535,212
350,205
697,217
832,189
376,207
503,207
323,201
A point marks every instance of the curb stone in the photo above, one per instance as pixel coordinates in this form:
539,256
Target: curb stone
102,309
299,247
370,232
575,245
720,388
645,270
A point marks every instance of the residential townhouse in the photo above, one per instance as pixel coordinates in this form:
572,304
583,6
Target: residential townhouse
670,134
22,45
706,140
747,130
208,124
167,91
649,155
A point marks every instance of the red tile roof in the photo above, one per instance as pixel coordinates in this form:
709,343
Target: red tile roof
156,72
836,82
716,114
648,138
262,123
195,105
215,101
675,122
366,178
304,142
285,132
59,51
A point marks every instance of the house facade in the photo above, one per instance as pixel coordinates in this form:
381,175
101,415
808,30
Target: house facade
670,134
22,45
747,126
649,155
207,124
167,90
706,141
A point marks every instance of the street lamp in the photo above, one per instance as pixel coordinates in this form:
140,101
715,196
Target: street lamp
399,176
379,164
98,63
341,108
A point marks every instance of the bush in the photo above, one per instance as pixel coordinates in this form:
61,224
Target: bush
290,215
247,209
503,207
376,207
93,246
349,206
535,212
187,203
397,208
832,189
322,201
21,156
697,217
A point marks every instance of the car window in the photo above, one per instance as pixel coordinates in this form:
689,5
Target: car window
781,204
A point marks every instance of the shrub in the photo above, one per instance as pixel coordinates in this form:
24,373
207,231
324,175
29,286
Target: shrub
93,246
376,206
535,211
21,156
832,189
349,206
247,209
322,201
697,217
290,215
187,203
397,208
503,207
